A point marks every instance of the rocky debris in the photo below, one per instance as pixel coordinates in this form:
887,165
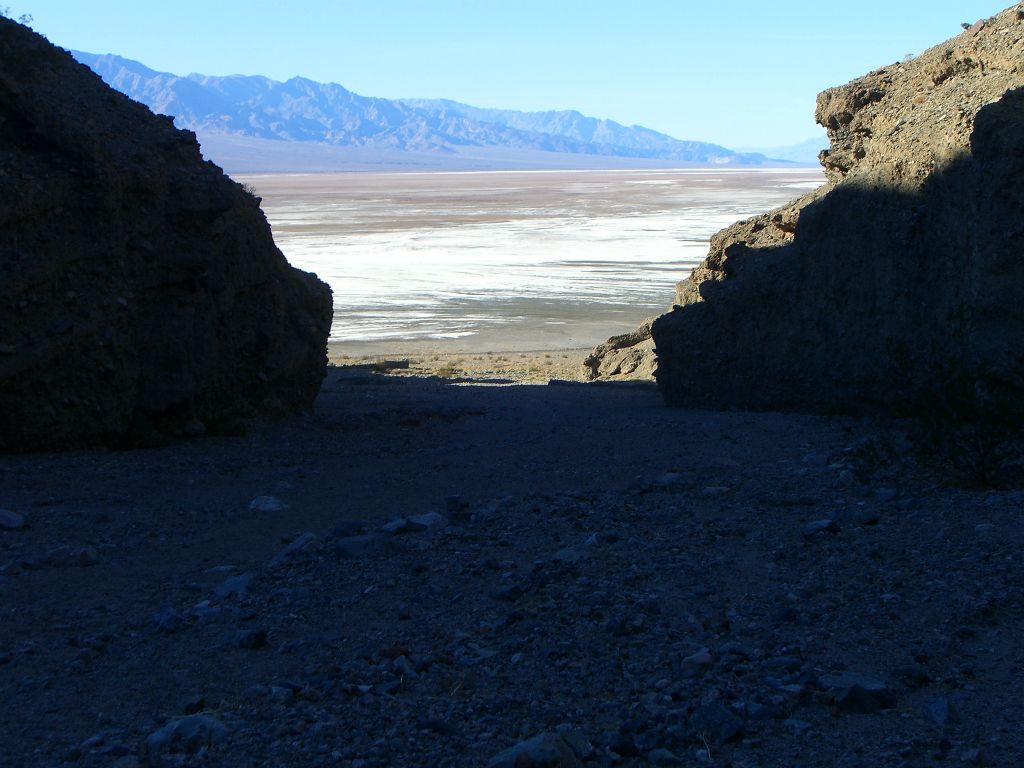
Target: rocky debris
364,545
457,508
677,639
187,735
641,620
141,294
234,586
715,723
396,526
414,523
938,711
167,620
69,557
251,639
267,504
629,356
426,520
304,543
547,750
664,757
817,527
809,308
857,694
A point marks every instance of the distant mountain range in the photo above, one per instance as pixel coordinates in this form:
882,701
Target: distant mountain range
254,123
804,152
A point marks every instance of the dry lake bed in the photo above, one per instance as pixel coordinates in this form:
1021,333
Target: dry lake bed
507,261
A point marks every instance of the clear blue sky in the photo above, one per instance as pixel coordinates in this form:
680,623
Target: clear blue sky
735,72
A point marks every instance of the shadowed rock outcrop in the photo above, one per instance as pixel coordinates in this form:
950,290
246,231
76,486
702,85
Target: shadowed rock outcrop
898,284
138,283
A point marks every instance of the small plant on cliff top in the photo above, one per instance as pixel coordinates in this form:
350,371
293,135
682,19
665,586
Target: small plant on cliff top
250,191
25,18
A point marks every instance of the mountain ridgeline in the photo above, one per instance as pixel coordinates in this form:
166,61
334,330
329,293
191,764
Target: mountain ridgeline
301,110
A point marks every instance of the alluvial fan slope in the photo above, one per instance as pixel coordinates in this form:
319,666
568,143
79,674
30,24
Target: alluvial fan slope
138,283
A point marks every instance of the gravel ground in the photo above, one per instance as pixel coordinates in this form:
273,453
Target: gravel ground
531,367
426,573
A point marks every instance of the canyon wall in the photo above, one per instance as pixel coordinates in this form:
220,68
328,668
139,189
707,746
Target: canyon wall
899,284
139,285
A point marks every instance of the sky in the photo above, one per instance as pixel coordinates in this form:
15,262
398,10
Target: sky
737,73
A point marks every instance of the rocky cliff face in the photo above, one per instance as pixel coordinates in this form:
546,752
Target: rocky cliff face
898,284
138,284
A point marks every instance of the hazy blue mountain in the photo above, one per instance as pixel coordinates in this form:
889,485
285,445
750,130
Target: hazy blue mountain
605,136
301,110
804,152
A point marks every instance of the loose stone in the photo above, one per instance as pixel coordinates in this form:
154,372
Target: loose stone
547,750
234,586
69,557
11,521
857,694
428,520
267,504
716,722
251,639
396,526
816,527
187,734
938,711
303,542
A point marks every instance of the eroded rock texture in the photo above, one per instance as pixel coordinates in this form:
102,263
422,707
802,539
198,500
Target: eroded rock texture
138,283
629,356
897,285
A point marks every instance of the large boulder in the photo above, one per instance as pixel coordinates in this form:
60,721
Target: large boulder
623,357
138,283
897,286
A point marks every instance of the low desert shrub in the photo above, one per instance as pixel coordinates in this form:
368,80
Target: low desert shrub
448,371
25,19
